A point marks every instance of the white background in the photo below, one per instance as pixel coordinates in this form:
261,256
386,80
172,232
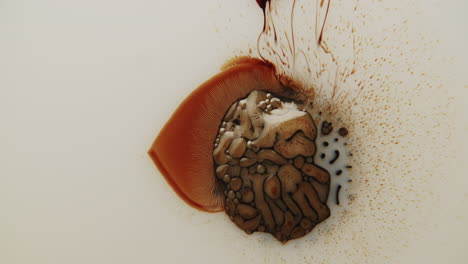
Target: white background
85,87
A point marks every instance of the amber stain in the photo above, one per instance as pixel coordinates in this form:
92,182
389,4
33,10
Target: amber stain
182,150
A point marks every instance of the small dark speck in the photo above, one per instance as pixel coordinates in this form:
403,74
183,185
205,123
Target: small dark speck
336,139
343,132
325,144
322,156
349,166
350,180
339,172
326,128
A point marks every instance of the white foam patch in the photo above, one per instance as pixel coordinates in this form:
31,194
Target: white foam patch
288,111
336,199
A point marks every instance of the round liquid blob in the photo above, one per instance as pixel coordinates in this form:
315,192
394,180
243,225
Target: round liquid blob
246,141
264,156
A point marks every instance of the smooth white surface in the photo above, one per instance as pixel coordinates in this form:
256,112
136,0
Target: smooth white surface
84,88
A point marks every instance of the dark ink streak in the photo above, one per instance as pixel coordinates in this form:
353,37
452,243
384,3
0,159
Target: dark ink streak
337,155
323,25
293,50
338,189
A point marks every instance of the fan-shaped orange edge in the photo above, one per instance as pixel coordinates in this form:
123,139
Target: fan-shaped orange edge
183,149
